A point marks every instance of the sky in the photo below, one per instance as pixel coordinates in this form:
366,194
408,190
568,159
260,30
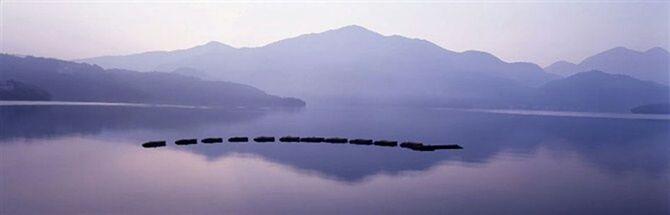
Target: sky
528,31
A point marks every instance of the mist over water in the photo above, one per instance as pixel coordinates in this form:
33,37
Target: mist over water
88,159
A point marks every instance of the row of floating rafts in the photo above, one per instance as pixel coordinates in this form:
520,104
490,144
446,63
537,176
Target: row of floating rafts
416,146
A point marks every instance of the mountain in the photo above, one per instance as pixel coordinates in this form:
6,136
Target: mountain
353,65
601,92
16,90
651,65
69,81
149,61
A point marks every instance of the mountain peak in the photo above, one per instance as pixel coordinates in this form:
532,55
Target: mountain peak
618,52
211,46
353,29
214,44
619,49
349,33
657,50
563,62
562,67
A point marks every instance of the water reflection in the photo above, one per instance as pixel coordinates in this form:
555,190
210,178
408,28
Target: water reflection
614,145
89,160
80,175
55,121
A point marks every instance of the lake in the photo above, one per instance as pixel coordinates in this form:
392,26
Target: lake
84,159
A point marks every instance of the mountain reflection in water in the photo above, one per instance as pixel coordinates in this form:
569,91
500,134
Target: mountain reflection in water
512,161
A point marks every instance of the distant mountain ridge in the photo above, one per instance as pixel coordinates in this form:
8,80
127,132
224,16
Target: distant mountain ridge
650,65
602,92
69,81
149,61
350,64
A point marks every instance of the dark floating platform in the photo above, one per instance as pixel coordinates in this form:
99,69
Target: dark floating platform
415,146
264,139
212,140
388,143
450,146
186,142
312,139
421,147
411,145
154,144
360,141
289,139
238,139
335,140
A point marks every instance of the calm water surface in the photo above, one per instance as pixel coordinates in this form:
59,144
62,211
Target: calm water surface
87,159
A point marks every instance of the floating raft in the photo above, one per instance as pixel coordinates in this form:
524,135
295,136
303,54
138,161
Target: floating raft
312,139
411,145
388,143
335,140
289,139
238,139
414,146
264,139
212,140
421,147
186,142
361,141
154,144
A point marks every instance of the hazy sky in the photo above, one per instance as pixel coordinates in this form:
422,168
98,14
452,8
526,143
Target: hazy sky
536,32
